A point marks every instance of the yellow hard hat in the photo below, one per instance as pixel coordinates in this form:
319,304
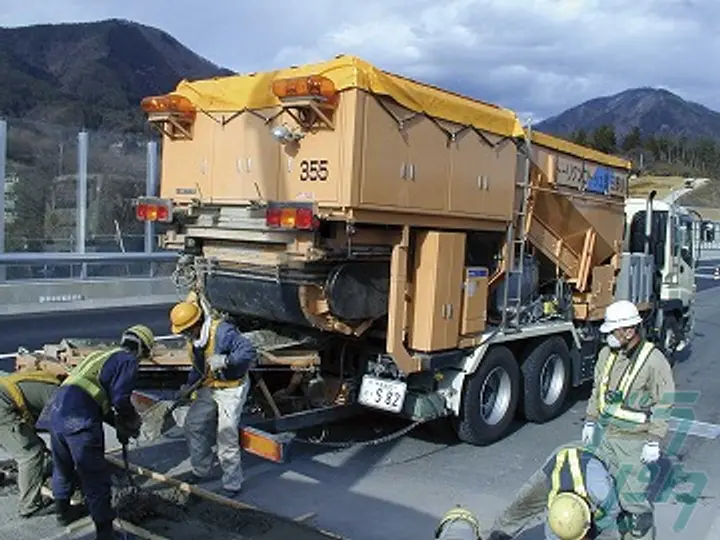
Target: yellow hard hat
183,316
142,333
569,516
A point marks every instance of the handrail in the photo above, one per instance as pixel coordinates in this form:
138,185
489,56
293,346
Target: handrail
91,257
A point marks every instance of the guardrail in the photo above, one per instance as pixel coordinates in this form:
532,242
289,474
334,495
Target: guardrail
32,296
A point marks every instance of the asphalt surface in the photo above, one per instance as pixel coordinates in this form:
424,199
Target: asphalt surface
401,488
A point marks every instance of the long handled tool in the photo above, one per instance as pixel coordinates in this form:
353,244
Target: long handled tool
158,419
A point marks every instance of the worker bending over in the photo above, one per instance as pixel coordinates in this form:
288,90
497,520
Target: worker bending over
23,395
577,493
221,357
628,410
97,390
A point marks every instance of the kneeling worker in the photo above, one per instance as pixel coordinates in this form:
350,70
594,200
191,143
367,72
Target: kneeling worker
23,395
221,357
97,390
578,494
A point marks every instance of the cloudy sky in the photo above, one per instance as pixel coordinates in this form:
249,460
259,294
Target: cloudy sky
537,57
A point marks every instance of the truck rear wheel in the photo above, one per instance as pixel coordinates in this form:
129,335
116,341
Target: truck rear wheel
490,399
546,380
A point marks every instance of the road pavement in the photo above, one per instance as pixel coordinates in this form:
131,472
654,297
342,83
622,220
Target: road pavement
401,488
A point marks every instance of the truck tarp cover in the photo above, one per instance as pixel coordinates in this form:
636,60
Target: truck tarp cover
253,91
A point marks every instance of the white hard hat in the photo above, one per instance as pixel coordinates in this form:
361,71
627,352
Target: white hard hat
620,314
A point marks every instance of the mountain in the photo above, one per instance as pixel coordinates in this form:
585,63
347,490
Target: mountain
654,111
91,74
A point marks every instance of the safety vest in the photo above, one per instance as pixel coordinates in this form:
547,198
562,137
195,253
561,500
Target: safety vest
11,385
567,476
211,381
86,375
615,407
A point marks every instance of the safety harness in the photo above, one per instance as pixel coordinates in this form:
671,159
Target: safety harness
611,403
567,476
211,381
11,385
86,375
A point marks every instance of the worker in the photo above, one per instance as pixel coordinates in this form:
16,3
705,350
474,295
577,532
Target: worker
221,357
628,410
576,493
458,524
23,396
97,390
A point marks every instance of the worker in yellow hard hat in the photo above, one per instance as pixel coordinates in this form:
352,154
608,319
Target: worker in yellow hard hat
23,396
221,357
576,493
97,390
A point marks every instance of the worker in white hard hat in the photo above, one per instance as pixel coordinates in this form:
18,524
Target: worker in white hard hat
628,411
575,493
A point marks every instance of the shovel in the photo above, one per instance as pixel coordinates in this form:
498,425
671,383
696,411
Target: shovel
158,419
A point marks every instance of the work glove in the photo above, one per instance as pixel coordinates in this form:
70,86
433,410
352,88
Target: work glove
218,362
650,452
588,432
185,392
128,427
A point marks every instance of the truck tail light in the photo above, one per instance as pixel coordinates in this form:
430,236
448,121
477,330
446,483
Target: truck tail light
288,217
153,209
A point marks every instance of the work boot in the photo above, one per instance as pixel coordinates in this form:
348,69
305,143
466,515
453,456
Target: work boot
44,508
67,514
105,531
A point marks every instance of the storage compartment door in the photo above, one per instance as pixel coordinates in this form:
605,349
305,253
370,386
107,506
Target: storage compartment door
187,165
482,176
475,298
384,169
429,159
437,291
247,160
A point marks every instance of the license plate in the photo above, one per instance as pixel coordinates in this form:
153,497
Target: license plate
382,394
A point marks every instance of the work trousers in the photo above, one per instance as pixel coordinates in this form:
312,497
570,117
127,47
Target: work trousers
22,442
531,502
80,455
632,478
214,418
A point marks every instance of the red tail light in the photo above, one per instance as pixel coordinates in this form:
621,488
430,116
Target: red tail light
153,209
291,218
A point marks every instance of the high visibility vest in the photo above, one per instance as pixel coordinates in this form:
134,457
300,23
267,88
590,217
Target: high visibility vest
11,385
616,408
567,476
86,375
211,381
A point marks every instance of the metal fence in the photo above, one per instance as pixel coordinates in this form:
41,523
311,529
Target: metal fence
71,190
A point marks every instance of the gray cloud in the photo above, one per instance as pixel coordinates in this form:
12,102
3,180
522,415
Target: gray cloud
534,56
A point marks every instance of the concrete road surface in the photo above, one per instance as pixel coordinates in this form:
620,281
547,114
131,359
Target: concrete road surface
400,489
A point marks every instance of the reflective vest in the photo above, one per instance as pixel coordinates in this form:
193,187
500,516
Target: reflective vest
11,385
612,403
567,476
211,381
86,375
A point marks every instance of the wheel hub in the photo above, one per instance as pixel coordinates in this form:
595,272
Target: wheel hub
552,379
495,396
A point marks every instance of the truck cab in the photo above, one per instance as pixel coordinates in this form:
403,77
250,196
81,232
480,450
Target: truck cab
674,254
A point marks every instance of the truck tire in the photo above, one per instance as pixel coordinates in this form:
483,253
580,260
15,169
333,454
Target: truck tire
497,384
546,380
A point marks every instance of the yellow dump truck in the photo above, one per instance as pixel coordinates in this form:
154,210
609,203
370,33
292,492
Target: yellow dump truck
396,246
